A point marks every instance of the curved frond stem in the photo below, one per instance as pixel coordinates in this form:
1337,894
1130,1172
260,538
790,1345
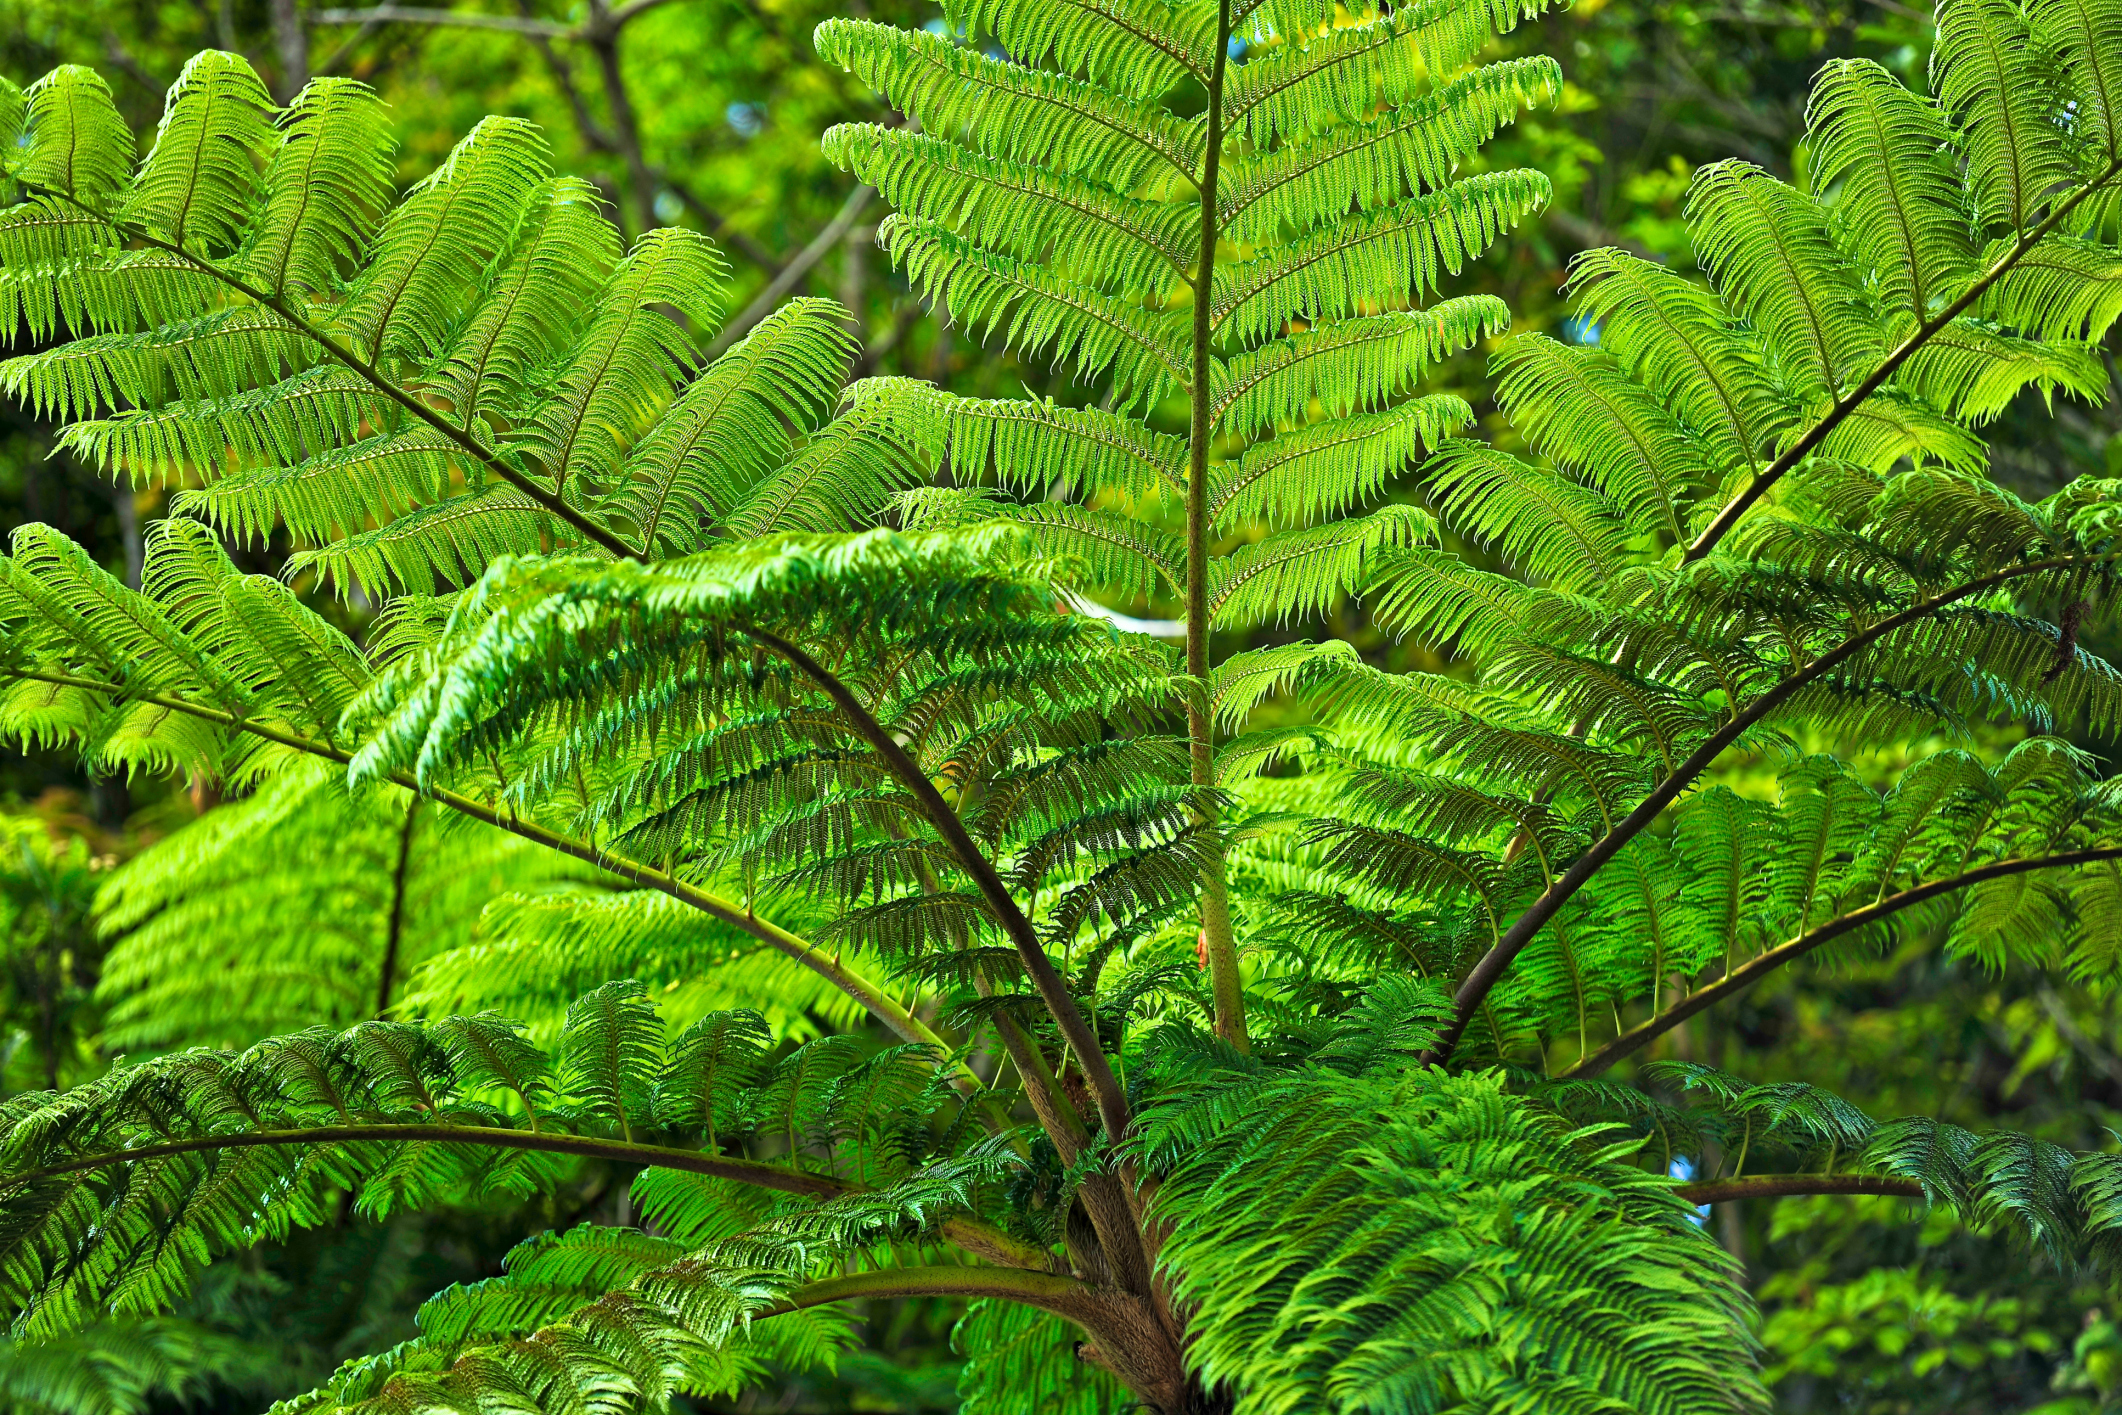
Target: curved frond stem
1739,979
1219,939
1492,965
1785,1186
1049,1292
1849,402
1053,990
972,1235
872,996
339,351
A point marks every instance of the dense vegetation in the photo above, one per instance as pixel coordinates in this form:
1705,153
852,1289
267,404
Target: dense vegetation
787,916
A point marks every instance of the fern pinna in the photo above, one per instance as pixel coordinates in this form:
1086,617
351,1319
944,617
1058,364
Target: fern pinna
889,764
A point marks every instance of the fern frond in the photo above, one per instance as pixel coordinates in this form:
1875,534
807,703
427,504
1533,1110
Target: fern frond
73,139
1542,522
328,182
1040,312
1397,252
1023,211
1307,571
199,181
1320,472
1008,111
1417,147
1045,448
1349,366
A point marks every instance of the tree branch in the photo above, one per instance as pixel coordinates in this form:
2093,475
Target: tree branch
1783,1186
603,41
765,1176
461,19
798,267
1851,401
1049,1292
1219,945
395,931
1492,964
1636,1038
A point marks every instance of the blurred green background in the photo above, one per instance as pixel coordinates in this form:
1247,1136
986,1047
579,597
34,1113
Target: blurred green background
706,113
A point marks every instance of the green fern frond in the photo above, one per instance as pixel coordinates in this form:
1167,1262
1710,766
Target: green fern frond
1305,571
1321,472
1041,312
1392,253
198,183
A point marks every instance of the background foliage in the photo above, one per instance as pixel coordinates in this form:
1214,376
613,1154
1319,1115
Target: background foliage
705,113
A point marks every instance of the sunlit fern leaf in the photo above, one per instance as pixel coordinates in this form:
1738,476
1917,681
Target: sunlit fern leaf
1417,146
1580,411
1115,552
533,953
730,425
410,386
529,306
1898,196
1987,77
327,183
1543,522
1242,681
76,142
1321,472
1040,447
1679,340
1307,570
872,448
1045,314
1769,251
1134,45
621,371
1100,237
1407,248
433,546
613,1040
1354,365
1009,111
447,227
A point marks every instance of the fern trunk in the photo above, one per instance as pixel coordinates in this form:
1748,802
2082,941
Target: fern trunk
1219,942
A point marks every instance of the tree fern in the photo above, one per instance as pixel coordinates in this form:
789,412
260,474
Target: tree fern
896,766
